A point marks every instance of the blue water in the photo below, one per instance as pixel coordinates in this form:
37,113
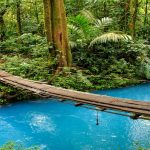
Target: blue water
59,126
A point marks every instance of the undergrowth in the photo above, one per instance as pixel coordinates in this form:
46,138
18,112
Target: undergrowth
102,66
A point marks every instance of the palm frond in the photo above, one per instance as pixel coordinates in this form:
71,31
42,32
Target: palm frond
111,37
72,44
106,20
76,35
103,22
88,14
73,30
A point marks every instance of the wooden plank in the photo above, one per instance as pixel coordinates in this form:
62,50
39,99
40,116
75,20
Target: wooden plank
4,74
95,98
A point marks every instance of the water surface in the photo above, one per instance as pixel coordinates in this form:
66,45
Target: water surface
59,126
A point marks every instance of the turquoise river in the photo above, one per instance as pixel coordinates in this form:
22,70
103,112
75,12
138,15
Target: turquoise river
52,125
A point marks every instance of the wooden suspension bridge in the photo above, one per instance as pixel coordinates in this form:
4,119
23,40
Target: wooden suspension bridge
136,109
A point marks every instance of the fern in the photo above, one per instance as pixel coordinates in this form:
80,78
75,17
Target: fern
72,44
73,30
103,22
111,37
75,35
97,22
88,15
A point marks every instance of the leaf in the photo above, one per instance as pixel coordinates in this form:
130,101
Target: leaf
111,37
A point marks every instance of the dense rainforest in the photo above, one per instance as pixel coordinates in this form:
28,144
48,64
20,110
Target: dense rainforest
77,44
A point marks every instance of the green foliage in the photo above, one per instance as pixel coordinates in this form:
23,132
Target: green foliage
26,44
138,146
80,29
114,62
2,101
36,69
144,32
145,69
4,90
76,36
9,94
73,80
84,28
16,146
111,37
28,56
112,81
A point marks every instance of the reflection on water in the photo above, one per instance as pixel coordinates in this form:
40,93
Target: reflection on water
58,126
41,123
140,130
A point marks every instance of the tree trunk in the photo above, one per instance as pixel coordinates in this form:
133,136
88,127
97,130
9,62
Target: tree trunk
56,30
2,28
48,21
2,25
18,12
133,11
36,12
146,11
105,9
65,43
125,15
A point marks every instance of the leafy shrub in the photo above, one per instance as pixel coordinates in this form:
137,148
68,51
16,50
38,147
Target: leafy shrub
144,70
27,44
9,94
16,146
36,69
74,80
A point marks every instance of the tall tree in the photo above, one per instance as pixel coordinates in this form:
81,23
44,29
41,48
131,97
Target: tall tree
48,21
2,24
36,12
146,12
3,11
126,14
18,15
56,30
133,12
